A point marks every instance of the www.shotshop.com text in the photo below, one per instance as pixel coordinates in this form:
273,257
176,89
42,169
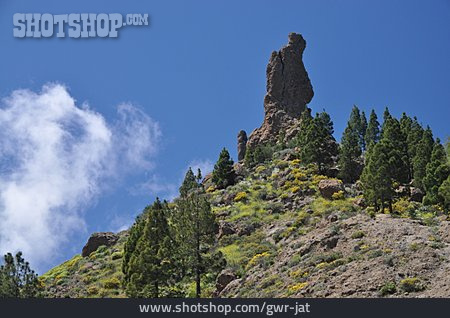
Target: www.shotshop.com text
225,309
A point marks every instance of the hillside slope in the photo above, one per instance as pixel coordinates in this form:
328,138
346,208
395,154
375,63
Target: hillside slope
282,238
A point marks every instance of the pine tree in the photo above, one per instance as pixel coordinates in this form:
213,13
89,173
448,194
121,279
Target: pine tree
386,115
362,131
135,233
195,231
257,154
190,182
17,279
372,134
326,123
223,173
447,149
151,265
422,157
413,138
199,176
405,127
355,119
437,172
405,123
444,192
397,149
349,155
328,150
316,142
376,177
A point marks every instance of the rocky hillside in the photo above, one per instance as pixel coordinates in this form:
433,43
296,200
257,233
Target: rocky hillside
97,274
286,231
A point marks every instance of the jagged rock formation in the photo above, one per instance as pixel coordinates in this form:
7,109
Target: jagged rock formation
242,145
289,90
98,239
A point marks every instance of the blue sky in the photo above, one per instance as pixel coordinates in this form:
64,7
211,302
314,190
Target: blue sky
198,72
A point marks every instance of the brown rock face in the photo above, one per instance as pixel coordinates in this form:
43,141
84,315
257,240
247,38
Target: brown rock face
242,145
224,278
98,239
289,90
416,194
329,187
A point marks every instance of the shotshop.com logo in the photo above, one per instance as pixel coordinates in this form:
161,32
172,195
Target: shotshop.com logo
74,25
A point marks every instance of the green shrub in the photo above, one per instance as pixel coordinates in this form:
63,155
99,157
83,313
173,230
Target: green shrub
116,255
275,207
338,195
111,283
358,235
92,290
240,196
101,249
411,284
388,288
375,254
258,154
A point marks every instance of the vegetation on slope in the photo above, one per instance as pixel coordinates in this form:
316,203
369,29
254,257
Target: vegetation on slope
281,237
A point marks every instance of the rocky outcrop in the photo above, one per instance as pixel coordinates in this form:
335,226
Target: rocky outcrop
289,90
242,145
225,228
329,187
416,194
224,278
98,239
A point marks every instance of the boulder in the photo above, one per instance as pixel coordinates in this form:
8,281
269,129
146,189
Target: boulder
247,229
402,191
240,170
207,181
330,243
225,228
225,277
328,187
416,194
360,202
98,239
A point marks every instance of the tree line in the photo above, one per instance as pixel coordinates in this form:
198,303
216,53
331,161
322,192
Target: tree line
17,279
382,156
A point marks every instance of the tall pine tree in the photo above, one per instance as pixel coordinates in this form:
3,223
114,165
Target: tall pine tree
362,131
150,266
376,177
190,182
372,134
195,229
397,150
413,138
422,157
316,142
223,174
444,192
437,172
350,154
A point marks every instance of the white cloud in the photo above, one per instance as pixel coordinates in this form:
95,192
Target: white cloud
54,157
